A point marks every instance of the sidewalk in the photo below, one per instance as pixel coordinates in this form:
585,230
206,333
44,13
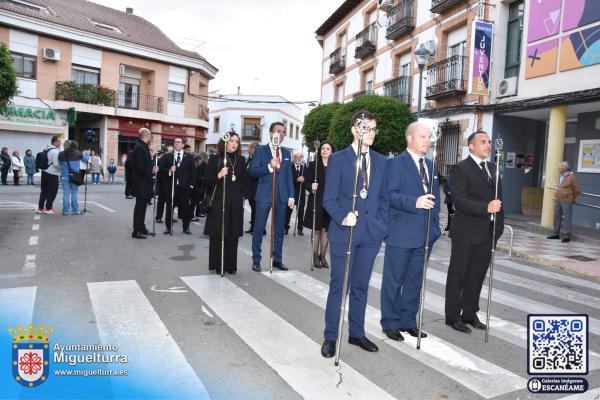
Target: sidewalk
581,255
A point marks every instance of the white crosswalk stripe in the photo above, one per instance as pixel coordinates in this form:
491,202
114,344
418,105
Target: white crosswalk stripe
471,371
122,314
287,350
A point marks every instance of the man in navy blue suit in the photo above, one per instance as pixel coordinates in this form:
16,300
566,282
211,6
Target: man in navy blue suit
269,160
409,177
370,228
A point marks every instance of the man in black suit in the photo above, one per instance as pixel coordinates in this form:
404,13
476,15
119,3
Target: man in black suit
472,184
141,181
182,165
251,184
298,180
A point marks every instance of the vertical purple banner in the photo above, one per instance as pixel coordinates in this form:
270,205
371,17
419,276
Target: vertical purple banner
482,52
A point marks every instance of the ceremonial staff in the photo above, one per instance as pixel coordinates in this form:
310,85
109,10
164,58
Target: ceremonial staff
154,194
275,142
362,127
172,194
298,201
499,144
317,145
435,135
225,138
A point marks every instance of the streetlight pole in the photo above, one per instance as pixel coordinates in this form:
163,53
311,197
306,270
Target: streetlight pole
422,56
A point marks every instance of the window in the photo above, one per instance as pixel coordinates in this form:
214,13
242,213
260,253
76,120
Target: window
24,65
83,75
106,27
28,6
129,95
217,124
457,67
176,92
514,34
290,132
404,69
251,128
339,93
369,81
297,132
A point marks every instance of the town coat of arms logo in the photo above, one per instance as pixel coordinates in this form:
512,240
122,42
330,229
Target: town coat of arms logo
30,354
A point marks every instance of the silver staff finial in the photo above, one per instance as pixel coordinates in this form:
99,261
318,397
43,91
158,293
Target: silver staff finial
226,137
499,143
362,125
275,139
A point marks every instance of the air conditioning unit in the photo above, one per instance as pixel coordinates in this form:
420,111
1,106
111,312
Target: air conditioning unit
507,87
385,5
121,69
51,54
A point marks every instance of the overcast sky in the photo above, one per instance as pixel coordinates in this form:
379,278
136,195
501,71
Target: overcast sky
263,46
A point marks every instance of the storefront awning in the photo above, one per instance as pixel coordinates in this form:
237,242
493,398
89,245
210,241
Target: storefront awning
49,129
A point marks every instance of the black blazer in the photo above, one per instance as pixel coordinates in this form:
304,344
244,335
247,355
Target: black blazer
142,183
251,183
471,194
299,187
185,175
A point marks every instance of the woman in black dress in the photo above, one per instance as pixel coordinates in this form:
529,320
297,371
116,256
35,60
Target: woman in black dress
199,187
235,175
321,216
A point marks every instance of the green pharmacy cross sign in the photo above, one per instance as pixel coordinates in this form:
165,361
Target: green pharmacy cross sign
28,113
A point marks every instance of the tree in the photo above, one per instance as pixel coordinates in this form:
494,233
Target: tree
392,116
317,122
8,77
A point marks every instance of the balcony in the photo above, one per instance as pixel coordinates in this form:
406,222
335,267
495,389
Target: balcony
337,61
401,20
398,88
363,93
441,6
366,42
447,78
203,113
103,96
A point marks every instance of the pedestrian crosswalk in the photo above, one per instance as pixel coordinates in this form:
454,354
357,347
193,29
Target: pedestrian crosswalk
124,315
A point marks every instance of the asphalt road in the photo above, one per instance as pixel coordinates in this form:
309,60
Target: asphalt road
191,334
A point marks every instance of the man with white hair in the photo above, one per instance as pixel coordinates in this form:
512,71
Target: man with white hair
299,194
566,193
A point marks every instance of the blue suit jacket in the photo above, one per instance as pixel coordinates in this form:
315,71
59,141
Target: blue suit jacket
284,189
371,226
407,223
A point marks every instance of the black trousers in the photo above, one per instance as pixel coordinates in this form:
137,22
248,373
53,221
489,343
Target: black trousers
182,202
160,205
49,189
139,214
214,253
128,188
468,266
252,213
300,217
16,177
4,175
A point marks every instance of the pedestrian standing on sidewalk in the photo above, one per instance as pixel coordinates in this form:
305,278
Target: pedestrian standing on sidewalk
30,169
70,161
111,169
95,167
6,163
17,166
566,193
50,178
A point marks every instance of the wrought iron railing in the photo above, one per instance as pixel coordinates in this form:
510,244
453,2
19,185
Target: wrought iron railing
401,19
448,146
337,60
446,77
399,88
363,93
441,6
366,41
99,95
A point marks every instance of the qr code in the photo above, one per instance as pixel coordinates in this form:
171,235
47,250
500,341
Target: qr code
557,344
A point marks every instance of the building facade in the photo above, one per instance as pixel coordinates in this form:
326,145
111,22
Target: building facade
532,84
103,74
251,116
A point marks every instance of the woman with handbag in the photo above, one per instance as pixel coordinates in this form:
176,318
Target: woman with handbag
70,175
17,166
316,188
234,175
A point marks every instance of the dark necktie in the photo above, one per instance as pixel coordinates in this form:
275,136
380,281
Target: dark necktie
422,172
365,168
485,172
178,158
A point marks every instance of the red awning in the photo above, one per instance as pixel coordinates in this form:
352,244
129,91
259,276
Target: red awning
126,132
173,136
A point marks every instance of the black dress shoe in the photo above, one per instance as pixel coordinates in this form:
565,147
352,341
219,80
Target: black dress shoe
159,221
256,267
458,326
187,231
167,231
565,240
279,265
195,219
363,343
328,349
475,323
553,237
138,235
232,272
393,334
414,332
300,233
250,231
323,262
286,232
146,232
316,262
